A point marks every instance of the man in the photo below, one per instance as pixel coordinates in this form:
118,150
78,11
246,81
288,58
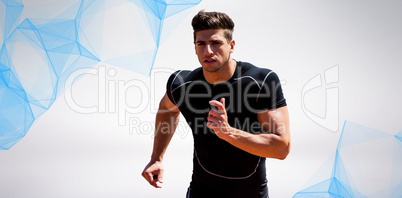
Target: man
236,111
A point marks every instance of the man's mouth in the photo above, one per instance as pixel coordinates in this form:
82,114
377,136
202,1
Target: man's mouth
209,60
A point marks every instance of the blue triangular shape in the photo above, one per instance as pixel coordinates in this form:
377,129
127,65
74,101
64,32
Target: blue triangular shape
65,29
84,52
155,24
33,36
83,6
353,134
4,59
320,187
150,6
398,136
313,195
12,3
176,8
12,16
12,83
67,48
51,41
336,188
339,171
26,24
3,68
161,9
58,61
7,143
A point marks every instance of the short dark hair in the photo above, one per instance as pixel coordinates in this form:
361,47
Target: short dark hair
213,20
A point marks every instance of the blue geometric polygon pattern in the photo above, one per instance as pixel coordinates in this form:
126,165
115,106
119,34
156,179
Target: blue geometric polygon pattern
13,13
156,12
34,56
367,164
159,10
38,54
399,137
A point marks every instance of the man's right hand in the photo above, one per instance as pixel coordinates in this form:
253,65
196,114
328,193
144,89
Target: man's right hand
153,173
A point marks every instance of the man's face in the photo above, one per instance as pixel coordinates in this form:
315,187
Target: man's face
212,49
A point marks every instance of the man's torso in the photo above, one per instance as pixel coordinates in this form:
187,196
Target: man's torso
216,162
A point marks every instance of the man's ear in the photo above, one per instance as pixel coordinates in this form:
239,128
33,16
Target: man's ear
232,44
195,44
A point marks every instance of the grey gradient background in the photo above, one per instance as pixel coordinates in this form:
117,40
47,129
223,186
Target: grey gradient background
70,154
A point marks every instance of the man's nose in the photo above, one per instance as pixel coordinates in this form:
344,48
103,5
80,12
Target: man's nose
208,50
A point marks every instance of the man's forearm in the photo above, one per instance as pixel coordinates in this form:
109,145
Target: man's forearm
166,122
270,145
265,145
275,144
165,126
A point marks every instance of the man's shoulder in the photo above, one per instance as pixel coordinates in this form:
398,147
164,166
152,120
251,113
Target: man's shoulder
248,69
184,76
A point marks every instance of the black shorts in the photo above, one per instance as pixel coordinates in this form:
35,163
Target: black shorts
205,185
192,193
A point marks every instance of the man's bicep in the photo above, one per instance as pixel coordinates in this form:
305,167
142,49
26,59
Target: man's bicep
275,121
167,104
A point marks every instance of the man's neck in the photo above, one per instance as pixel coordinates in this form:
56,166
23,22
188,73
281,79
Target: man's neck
222,75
